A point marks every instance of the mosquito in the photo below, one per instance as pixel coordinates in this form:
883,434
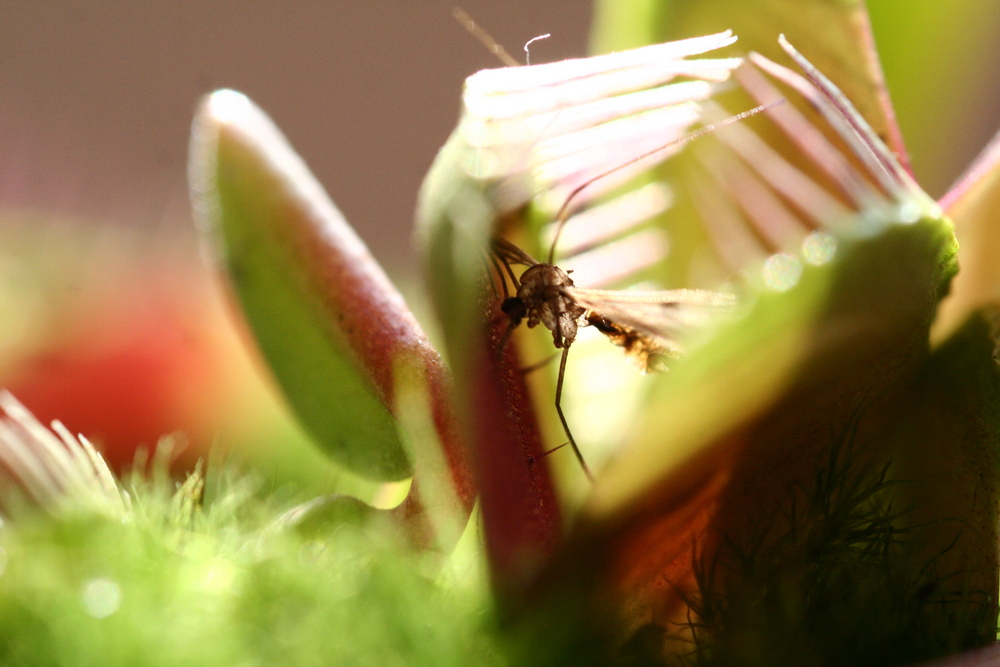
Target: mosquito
645,324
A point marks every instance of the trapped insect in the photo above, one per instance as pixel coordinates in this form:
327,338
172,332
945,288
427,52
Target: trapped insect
645,324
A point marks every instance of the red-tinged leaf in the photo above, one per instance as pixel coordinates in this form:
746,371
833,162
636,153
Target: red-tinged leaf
520,512
983,657
334,330
516,138
774,471
974,205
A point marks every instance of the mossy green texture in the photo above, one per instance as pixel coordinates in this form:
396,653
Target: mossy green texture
233,582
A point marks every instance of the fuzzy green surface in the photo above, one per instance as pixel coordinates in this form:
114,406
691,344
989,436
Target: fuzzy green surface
175,583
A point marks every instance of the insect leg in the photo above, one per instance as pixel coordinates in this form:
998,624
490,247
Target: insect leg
534,459
562,417
506,337
506,262
488,261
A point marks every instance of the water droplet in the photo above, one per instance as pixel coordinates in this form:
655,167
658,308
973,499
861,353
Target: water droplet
818,248
101,597
782,271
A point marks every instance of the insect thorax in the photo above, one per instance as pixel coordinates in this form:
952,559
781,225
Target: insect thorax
542,293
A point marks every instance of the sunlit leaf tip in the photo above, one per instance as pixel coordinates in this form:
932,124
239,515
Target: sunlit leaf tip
336,333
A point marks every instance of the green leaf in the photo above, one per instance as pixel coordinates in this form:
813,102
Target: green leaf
703,509
833,337
328,321
230,581
521,516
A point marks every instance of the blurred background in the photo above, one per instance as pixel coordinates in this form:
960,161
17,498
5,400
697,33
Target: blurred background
110,321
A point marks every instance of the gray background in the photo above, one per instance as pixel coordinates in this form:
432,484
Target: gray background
96,98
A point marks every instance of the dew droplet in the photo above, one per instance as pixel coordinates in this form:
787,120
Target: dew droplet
818,248
101,597
782,271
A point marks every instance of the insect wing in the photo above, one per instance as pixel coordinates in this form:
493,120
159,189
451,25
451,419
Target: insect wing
664,314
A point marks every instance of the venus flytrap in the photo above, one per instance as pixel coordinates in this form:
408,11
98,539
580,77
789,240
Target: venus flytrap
815,482
780,421
537,134
796,489
336,333
748,427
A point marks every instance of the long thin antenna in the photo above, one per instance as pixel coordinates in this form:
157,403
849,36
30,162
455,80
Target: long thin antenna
491,44
527,45
563,213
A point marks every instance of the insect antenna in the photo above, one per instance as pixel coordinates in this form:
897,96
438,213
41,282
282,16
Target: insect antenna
527,47
492,45
484,37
